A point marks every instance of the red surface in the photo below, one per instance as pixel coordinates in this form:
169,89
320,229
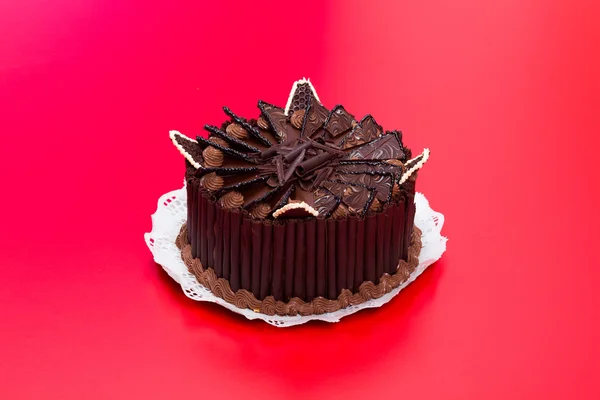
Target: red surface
506,95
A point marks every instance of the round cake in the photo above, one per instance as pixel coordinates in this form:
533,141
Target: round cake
304,210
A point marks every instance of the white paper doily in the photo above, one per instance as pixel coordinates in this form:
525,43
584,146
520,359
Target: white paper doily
171,213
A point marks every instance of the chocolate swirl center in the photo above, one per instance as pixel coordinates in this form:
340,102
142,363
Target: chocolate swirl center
232,200
213,157
237,131
261,211
212,182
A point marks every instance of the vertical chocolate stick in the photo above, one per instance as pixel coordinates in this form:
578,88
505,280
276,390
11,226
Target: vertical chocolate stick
341,254
409,226
351,249
311,266
192,223
331,248
218,250
267,255
226,233
379,246
359,267
210,231
398,232
290,235
278,247
321,262
256,257
189,192
370,237
235,248
240,276
388,265
203,231
300,264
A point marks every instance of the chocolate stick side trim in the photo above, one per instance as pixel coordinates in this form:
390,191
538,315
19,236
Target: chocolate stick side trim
370,260
278,255
331,267
321,258
227,236
351,249
341,254
194,218
202,230
234,251
218,249
267,256
388,264
359,266
240,274
300,264
257,232
311,263
210,231
290,234
379,245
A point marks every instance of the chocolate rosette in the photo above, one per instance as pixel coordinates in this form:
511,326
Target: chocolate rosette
299,162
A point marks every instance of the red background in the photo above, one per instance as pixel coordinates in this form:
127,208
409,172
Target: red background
506,95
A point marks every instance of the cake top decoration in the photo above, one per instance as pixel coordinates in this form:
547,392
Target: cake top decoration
303,161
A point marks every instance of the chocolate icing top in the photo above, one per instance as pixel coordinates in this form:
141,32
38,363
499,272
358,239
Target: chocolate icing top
337,166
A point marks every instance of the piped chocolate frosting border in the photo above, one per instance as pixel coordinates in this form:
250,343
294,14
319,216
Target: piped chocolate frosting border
244,299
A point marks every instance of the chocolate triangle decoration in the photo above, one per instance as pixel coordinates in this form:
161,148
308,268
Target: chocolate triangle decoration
315,119
383,148
302,91
339,121
276,117
189,148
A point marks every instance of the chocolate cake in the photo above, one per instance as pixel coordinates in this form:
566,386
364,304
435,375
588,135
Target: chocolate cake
304,210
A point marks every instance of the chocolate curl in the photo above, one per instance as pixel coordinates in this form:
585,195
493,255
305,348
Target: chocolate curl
203,231
294,153
267,253
398,233
218,249
211,212
270,152
278,247
341,254
193,222
379,247
279,165
226,233
240,276
299,267
311,265
256,257
321,256
370,236
293,166
235,222
290,236
388,264
351,247
327,148
359,267
331,247
313,163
